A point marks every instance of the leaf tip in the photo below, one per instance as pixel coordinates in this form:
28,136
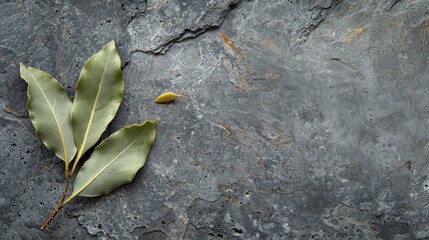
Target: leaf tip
22,70
149,122
21,67
111,44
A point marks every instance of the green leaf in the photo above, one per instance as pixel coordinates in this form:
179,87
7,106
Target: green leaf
115,161
49,108
99,93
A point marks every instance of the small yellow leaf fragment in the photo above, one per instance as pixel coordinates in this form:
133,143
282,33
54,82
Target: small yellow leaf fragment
167,97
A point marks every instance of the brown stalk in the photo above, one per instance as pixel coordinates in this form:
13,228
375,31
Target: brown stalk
57,207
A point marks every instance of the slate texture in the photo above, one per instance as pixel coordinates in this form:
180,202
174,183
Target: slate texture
306,119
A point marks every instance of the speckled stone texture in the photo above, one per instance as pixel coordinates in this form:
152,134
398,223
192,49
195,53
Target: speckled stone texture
306,119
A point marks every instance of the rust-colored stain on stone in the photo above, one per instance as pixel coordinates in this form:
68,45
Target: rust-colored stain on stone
228,130
374,227
199,166
226,40
409,165
353,34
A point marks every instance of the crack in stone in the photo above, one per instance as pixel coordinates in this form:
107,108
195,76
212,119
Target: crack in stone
323,9
187,32
393,4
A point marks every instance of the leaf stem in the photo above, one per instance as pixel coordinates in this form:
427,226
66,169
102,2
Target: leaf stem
68,175
57,207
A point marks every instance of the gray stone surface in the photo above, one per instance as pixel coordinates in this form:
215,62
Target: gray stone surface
310,122
168,22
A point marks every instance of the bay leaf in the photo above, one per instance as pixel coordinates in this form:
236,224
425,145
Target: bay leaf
115,161
49,109
99,92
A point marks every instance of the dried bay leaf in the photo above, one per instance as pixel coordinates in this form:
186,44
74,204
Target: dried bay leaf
99,92
49,109
115,161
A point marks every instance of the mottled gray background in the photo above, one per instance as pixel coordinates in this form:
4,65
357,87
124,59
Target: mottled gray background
311,122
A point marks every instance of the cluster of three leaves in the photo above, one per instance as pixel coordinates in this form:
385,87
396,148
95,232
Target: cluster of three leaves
71,128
